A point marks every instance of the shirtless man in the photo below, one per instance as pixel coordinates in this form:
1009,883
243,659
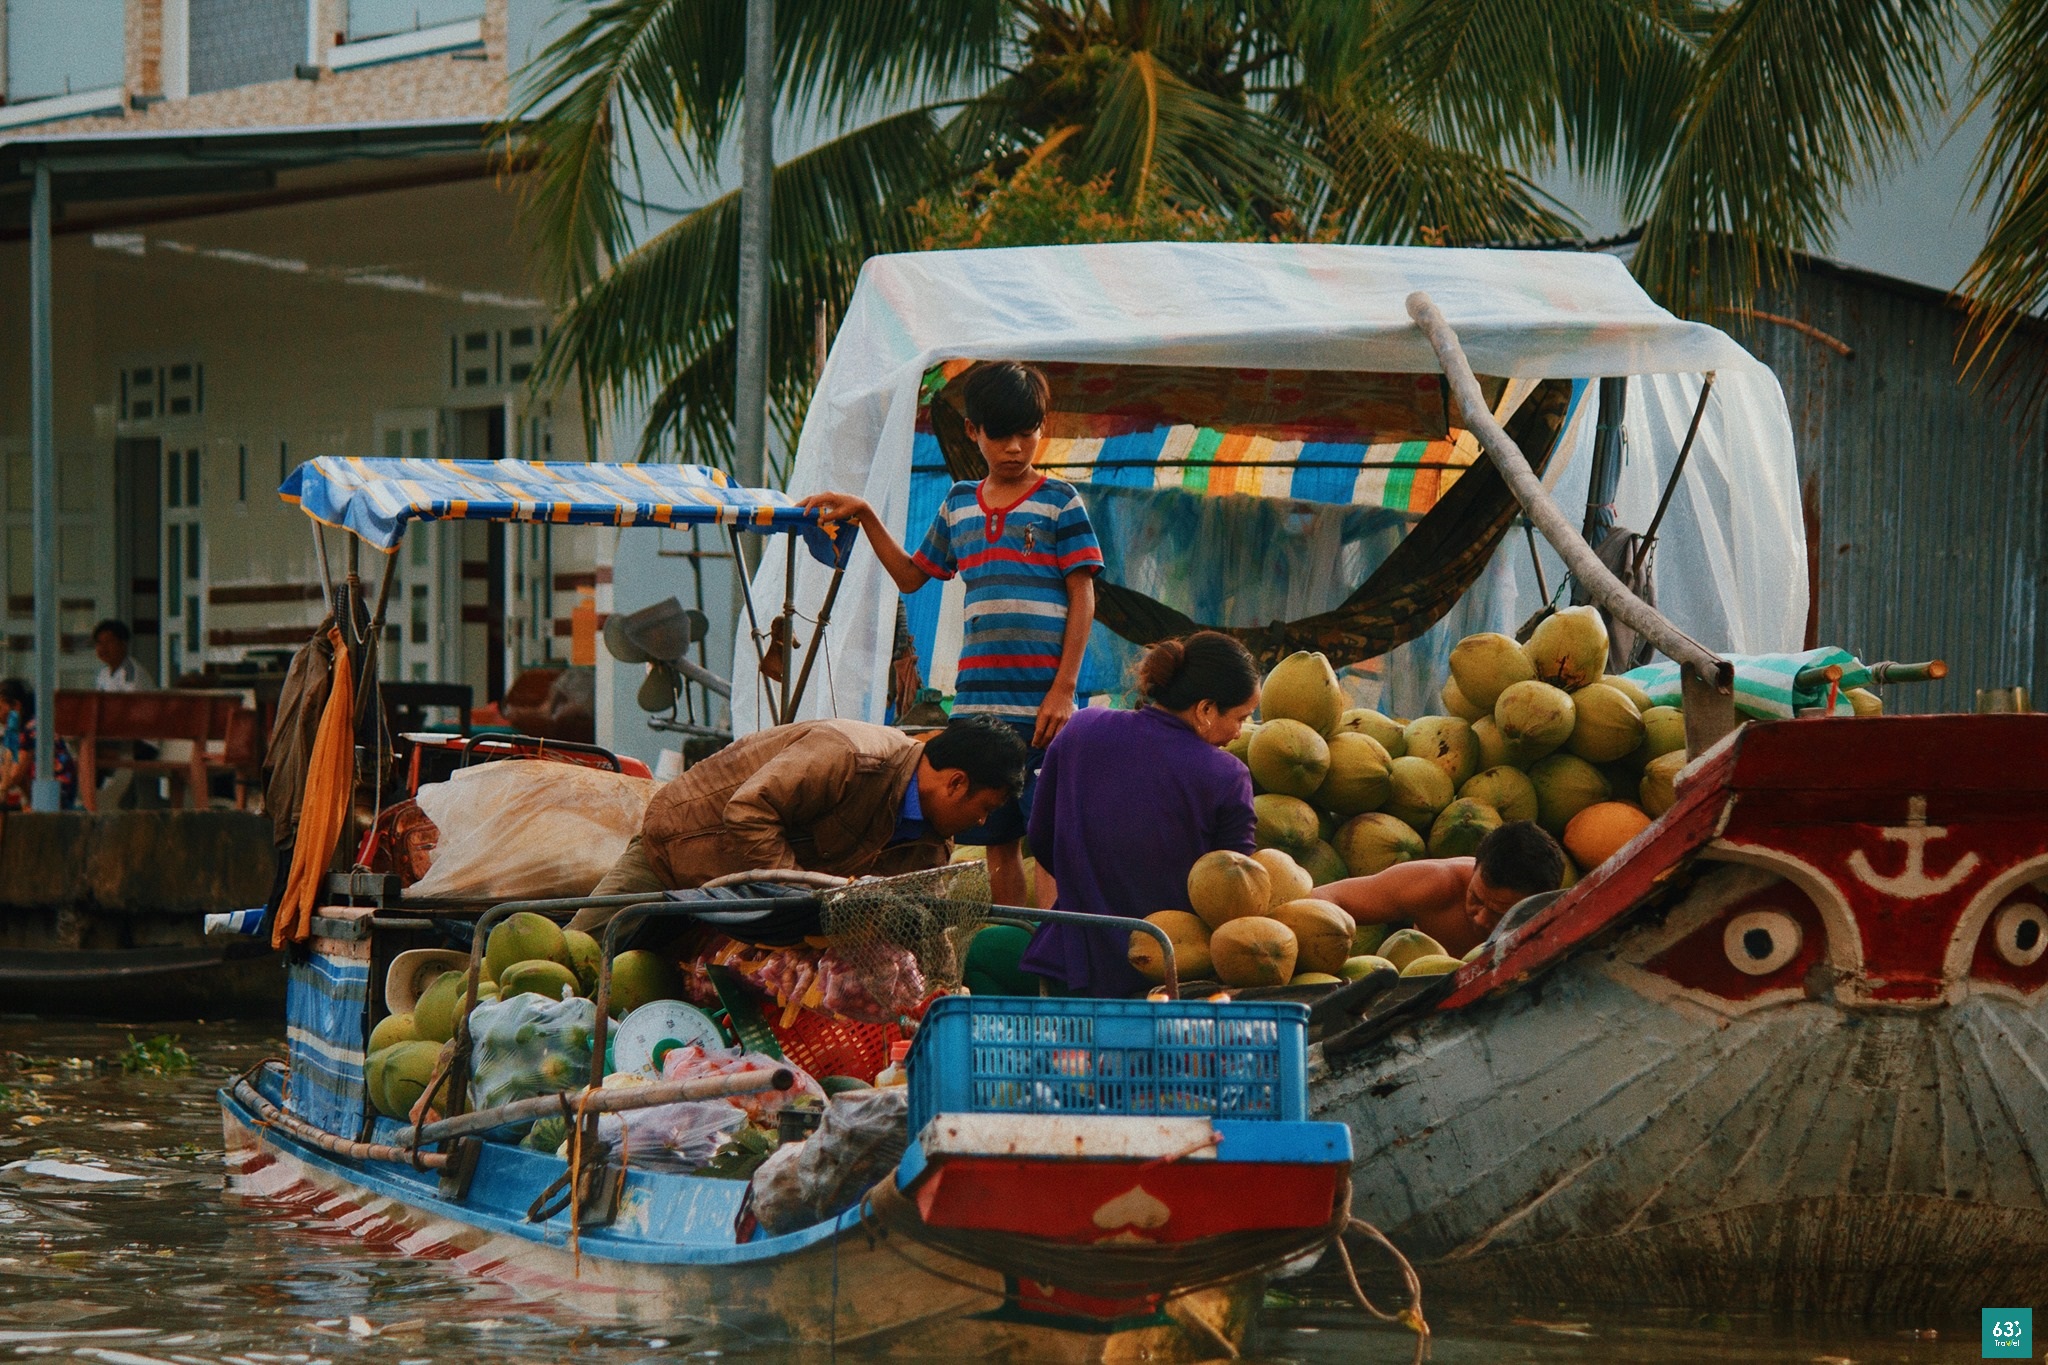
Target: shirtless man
1457,901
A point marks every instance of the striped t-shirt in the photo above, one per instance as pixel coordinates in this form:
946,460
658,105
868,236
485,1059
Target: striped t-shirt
1016,560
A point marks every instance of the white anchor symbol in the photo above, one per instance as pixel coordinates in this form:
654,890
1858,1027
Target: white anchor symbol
1913,883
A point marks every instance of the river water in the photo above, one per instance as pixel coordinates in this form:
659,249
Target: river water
165,1267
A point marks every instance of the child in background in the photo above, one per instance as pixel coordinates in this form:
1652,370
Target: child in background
1029,556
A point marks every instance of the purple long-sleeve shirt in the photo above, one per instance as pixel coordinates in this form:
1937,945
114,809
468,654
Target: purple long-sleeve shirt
1127,801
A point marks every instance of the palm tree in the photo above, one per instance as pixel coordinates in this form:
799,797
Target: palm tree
1211,106
1731,129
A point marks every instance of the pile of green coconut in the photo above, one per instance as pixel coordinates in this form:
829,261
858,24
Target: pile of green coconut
525,954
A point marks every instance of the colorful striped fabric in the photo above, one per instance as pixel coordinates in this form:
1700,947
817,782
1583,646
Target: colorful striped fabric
326,1012
376,498
1015,561
1402,476
1765,684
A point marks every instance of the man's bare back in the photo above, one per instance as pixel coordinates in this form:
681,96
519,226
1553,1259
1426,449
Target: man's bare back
1433,894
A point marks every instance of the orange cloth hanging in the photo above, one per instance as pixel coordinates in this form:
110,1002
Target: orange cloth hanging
330,787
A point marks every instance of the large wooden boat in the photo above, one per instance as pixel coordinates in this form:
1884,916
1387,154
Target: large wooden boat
1787,1051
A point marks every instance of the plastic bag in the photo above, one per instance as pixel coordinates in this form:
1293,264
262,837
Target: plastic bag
669,1137
528,828
528,1046
863,1136
692,1062
882,986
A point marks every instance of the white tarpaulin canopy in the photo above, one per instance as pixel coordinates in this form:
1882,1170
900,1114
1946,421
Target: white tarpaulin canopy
1731,554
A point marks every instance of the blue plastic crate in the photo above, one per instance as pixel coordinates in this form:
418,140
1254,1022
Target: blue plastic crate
1022,1055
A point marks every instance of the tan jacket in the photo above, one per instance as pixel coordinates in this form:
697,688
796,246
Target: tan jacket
820,794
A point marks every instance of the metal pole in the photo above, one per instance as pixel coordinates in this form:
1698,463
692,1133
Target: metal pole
750,383
45,795
1605,476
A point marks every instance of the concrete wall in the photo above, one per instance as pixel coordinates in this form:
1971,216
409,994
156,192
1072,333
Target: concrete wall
129,880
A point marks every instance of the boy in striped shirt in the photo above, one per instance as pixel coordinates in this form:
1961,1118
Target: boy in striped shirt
1029,556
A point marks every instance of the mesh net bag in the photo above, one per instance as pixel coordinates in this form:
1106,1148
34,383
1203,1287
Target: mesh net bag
906,936
528,1046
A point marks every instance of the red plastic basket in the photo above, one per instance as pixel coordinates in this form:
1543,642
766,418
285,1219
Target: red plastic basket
827,1046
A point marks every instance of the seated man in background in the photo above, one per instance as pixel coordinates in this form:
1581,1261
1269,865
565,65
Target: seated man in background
121,671
838,796
1457,901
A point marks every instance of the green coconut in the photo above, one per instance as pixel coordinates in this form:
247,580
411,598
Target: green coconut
1569,648
1493,747
435,1012
373,1076
1606,725
1864,702
1446,741
1357,779
1385,729
1366,938
1420,790
1456,703
1630,689
1565,785
1375,841
1404,946
523,938
639,976
1506,789
1658,789
1458,830
1663,731
1289,757
1287,823
1362,965
392,1029
1303,687
585,957
1534,718
1323,864
1486,665
539,977
407,1069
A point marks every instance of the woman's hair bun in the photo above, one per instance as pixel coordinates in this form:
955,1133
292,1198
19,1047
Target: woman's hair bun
1159,667
1206,666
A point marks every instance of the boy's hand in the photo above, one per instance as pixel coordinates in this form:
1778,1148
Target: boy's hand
836,506
1053,714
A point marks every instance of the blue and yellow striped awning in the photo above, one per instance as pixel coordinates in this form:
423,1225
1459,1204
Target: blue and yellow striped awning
376,498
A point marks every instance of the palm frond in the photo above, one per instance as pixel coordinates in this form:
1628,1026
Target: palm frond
1796,100
1155,132
2008,280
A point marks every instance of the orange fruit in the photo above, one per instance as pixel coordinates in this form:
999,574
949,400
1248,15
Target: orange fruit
1596,832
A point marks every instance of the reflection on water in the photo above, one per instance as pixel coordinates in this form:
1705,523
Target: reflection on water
157,1265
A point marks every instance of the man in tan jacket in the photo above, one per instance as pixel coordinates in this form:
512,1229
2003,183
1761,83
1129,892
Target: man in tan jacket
838,796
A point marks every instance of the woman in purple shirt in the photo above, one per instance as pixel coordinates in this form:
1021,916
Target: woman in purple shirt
1128,800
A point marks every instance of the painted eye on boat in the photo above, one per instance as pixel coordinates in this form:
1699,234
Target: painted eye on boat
2022,934
1761,941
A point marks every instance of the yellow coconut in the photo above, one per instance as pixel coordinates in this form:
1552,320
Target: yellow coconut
1606,726
1253,951
1303,687
1367,938
1385,729
1223,886
1241,747
1357,779
1658,790
585,957
1569,649
1420,789
434,1012
1285,822
1506,789
392,1029
1457,831
1534,718
1456,703
1290,879
1630,689
1472,953
1447,742
1403,946
1375,841
1864,701
1565,785
1315,979
539,977
1322,933
1323,864
1364,965
1663,731
1288,757
1487,664
1190,947
1494,750
1432,964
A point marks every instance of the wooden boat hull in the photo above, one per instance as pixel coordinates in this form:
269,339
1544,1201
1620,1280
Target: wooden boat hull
204,982
1788,1051
830,1285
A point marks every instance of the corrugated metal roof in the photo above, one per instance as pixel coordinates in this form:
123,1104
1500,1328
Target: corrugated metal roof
1932,489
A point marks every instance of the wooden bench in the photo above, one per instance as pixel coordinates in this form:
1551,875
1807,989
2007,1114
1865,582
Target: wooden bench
224,734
